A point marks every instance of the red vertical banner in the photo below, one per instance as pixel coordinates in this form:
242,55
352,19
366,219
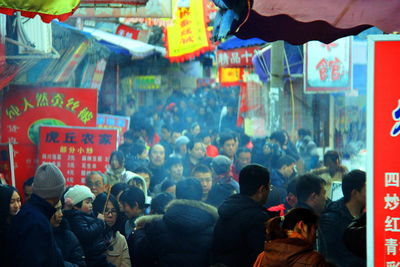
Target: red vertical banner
77,150
384,145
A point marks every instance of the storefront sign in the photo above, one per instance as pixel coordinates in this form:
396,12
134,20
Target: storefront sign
383,146
189,36
25,163
27,108
230,76
328,67
153,9
121,123
128,32
240,57
77,150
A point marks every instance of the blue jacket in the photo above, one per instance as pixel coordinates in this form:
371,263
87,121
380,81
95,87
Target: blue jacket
30,239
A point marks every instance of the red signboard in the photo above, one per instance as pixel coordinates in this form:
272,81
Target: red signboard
384,147
128,32
77,150
25,163
25,109
240,57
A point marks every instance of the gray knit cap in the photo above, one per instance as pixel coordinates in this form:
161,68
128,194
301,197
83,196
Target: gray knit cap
48,182
221,164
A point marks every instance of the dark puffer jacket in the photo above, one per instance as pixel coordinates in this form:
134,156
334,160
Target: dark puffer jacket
92,235
333,223
291,252
240,232
182,237
70,247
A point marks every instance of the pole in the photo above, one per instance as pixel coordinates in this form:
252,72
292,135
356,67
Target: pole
276,86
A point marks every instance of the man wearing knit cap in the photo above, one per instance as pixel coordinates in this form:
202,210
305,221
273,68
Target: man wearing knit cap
221,166
30,239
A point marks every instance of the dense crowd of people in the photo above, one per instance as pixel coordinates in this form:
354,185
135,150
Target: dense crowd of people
189,188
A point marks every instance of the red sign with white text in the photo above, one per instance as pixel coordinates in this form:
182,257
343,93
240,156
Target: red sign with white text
77,150
240,57
26,108
128,32
386,148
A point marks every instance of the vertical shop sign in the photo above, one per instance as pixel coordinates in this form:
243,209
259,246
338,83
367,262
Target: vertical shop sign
121,123
328,67
383,183
77,150
189,35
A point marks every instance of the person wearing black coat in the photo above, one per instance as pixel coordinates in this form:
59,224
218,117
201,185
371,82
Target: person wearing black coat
30,239
90,231
182,237
239,234
338,215
91,234
66,240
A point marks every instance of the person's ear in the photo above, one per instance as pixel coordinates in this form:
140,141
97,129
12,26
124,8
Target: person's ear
301,228
313,197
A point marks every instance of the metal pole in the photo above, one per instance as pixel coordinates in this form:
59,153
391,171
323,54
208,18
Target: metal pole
276,87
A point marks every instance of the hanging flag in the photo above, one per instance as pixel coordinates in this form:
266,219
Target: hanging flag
47,10
230,76
188,36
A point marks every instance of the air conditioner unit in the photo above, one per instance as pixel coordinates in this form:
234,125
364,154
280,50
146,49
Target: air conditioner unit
36,34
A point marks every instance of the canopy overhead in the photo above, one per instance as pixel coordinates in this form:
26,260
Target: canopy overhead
136,48
300,21
235,42
46,9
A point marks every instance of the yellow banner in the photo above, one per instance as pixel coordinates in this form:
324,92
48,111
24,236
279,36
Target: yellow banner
230,75
188,36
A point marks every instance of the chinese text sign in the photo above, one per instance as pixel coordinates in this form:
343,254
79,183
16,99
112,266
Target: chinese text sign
189,35
121,123
26,108
77,150
328,66
384,127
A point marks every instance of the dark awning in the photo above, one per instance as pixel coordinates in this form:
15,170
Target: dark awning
300,21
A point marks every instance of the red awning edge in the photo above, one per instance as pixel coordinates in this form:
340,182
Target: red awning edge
47,18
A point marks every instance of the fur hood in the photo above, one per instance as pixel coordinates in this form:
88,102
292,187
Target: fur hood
189,216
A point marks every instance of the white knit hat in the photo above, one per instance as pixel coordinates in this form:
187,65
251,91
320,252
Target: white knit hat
78,193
